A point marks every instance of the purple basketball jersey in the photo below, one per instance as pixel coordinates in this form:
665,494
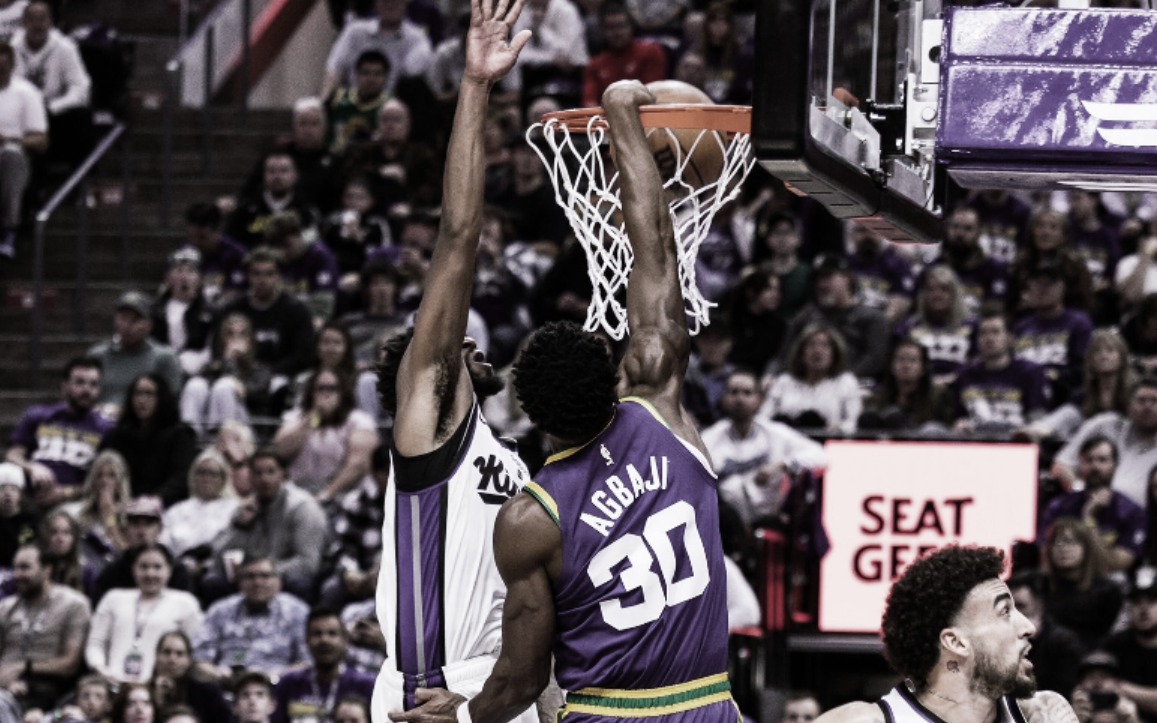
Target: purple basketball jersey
642,598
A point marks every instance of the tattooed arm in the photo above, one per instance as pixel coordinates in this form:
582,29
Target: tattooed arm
1048,707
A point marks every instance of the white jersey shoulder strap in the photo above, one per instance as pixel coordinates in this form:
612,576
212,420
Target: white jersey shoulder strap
900,705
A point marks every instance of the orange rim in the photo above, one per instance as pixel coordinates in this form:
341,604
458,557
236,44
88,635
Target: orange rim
688,116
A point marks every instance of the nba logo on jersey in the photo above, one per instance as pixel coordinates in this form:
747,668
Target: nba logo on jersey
494,483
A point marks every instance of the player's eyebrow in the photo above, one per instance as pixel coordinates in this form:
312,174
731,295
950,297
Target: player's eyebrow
1001,598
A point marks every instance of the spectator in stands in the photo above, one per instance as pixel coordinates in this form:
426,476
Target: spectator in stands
1120,522
864,330
352,112
707,371
1098,243
623,56
816,390
182,315
131,351
801,707
403,173
11,18
1136,275
778,250
1135,647
1056,651
501,286
134,704
378,320
942,323
1050,243
997,393
354,232
758,328
42,632
536,218
17,524
174,684
1140,332
235,386
1135,436
334,352
100,511
222,264
56,443
281,521
260,628
728,65
984,279
1004,223
23,130
191,525
253,699
314,691
51,61
908,398
328,441
754,457
406,45
1079,595
309,269
1051,335
352,709
157,445
367,649
144,527
552,62
318,170
564,292
93,704
282,326
60,539
279,191
884,276
357,537
128,623
237,443
1098,698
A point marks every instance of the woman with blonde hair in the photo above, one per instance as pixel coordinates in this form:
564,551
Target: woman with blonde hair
941,323
1079,594
816,391
194,522
100,511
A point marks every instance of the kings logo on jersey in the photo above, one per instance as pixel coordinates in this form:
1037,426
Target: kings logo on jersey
494,483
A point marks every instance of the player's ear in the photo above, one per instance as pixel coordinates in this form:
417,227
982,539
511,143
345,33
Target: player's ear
953,641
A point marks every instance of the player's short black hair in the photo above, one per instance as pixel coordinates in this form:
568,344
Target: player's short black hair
565,380
926,599
392,351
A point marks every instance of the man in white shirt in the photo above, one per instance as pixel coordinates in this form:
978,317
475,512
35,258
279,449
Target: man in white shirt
752,455
51,61
557,52
23,128
404,43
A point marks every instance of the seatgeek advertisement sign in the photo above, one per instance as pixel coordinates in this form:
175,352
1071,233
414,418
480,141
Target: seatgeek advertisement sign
886,503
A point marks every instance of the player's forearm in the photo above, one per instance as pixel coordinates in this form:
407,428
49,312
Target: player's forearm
466,173
506,694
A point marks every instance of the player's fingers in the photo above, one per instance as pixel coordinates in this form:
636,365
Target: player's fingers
519,41
398,716
476,11
510,12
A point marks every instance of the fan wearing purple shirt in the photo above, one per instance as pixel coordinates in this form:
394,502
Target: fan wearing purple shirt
310,270
985,279
222,258
1051,335
1004,220
54,444
1097,239
312,694
886,279
998,394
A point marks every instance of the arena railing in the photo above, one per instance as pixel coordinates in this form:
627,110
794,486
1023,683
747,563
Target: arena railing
79,182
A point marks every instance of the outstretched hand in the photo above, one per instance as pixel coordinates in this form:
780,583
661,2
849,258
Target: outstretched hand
435,705
490,51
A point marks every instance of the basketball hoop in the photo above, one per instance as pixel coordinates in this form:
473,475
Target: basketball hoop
696,140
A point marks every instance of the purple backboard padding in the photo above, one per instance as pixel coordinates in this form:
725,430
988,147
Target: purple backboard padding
1063,87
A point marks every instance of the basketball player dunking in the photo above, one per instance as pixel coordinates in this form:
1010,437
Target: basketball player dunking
439,595
612,557
952,630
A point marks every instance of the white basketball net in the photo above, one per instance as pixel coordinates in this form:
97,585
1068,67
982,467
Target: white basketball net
591,203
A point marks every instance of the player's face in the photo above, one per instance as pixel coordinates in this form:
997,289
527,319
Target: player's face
999,635
1096,467
82,388
486,381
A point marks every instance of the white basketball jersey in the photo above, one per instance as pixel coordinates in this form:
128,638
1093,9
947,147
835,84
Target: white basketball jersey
439,595
901,706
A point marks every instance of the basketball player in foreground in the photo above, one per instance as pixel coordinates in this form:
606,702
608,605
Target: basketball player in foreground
952,630
439,596
613,554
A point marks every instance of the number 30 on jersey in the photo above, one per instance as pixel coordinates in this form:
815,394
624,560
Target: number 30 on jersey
640,554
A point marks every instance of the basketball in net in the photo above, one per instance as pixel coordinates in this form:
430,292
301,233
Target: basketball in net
703,152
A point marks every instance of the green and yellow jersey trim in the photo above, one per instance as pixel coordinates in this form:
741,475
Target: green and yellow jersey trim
649,702
537,492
